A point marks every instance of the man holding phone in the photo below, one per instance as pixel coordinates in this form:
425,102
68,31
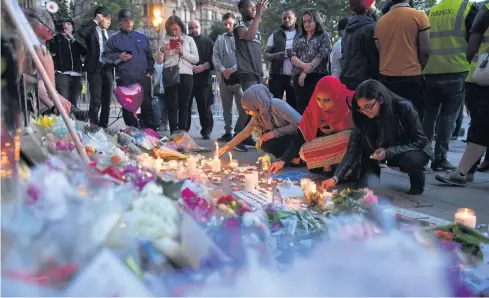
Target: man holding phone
131,51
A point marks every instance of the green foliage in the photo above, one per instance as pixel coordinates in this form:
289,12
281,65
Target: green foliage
424,4
114,6
64,10
216,30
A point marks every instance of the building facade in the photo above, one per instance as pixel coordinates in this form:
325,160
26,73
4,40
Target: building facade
206,11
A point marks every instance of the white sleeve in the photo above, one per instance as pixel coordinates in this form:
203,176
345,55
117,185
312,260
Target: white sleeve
270,41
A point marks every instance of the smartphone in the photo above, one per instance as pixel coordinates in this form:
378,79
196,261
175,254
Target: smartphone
174,43
128,52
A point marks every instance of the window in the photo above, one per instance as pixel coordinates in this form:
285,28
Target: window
145,10
204,14
187,15
214,15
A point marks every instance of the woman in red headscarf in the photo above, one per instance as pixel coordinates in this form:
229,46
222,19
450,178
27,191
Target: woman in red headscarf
324,129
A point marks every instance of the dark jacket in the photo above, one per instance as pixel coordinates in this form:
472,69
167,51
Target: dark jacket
142,61
279,43
66,53
205,47
89,34
409,137
359,54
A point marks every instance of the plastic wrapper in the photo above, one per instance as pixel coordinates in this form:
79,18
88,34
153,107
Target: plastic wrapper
389,264
187,144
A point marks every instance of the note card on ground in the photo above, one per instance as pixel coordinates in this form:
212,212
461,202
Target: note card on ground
256,199
296,175
106,276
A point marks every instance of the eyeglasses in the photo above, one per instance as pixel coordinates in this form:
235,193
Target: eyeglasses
367,108
308,22
44,24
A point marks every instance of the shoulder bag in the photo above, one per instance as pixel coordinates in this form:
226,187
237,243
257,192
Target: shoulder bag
480,76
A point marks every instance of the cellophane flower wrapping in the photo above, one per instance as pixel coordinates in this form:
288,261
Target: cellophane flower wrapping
61,227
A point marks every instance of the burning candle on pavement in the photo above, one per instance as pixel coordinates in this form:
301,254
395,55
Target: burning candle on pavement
466,217
216,165
191,165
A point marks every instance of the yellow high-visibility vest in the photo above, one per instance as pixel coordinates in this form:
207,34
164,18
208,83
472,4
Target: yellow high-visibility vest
448,46
483,49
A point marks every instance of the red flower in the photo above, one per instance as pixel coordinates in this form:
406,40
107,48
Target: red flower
225,200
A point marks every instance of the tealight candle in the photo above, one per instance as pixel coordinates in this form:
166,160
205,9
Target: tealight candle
158,164
191,165
172,164
311,188
216,165
327,195
234,164
466,217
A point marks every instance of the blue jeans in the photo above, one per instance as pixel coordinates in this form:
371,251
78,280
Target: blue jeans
164,111
444,94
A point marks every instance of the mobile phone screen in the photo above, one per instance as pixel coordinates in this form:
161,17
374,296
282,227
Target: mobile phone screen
174,43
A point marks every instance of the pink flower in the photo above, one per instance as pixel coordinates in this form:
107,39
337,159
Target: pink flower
370,198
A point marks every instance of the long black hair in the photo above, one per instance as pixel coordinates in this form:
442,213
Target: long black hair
382,129
314,13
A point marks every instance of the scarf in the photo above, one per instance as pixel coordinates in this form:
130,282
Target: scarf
338,117
257,98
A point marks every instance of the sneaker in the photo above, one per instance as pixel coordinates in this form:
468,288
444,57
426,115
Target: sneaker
415,191
225,137
483,167
427,170
205,137
241,148
442,166
470,177
454,138
249,141
453,178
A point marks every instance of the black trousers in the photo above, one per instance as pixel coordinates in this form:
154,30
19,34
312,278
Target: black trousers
147,117
177,99
411,162
69,87
100,87
303,94
411,88
204,98
277,146
278,84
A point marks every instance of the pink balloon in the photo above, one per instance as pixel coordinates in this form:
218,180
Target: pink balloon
130,97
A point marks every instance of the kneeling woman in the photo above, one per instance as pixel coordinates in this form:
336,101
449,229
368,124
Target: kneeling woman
325,127
276,120
387,127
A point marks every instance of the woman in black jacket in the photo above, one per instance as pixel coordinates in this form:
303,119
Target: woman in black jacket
387,127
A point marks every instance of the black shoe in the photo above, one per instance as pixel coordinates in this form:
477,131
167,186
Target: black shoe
205,137
442,166
241,148
225,137
417,183
454,138
249,141
79,115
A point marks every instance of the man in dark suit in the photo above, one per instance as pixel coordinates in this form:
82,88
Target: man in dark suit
100,70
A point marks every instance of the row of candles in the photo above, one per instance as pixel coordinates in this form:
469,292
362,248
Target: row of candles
309,188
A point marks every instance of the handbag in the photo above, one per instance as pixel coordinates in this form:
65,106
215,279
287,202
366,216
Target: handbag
480,76
171,75
233,79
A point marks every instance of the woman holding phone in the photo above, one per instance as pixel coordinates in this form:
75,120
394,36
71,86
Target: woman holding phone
387,127
180,54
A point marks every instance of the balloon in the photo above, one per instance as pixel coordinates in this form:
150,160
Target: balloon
130,97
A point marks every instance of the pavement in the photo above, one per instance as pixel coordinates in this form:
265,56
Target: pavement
438,200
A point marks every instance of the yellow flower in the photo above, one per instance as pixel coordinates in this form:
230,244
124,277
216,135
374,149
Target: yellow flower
45,121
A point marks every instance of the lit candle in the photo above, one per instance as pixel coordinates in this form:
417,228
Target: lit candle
327,195
230,157
249,182
255,177
311,188
216,165
466,217
234,164
158,165
304,184
216,155
172,164
191,165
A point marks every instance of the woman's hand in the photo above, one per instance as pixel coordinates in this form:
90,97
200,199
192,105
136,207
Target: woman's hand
277,166
65,103
379,154
307,68
223,150
179,49
302,78
268,136
329,183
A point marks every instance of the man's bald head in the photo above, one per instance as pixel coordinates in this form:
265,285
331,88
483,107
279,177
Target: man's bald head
288,19
194,28
41,22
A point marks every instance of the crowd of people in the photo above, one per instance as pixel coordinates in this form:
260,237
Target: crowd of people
395,80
